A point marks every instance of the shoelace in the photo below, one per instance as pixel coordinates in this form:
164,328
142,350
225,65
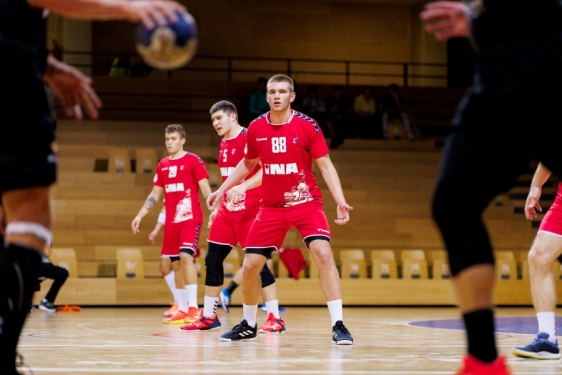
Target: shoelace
342,329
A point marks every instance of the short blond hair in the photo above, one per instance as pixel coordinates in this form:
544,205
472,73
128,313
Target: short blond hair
282,78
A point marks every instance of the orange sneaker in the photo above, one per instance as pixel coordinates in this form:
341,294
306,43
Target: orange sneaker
193,313
273,324
172,310
177,318
472,366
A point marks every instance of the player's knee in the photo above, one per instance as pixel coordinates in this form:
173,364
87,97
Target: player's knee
266,276
62,274
540,257
214,264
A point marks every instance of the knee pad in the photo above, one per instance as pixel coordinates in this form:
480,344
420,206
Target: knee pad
266,276
214,259
37,230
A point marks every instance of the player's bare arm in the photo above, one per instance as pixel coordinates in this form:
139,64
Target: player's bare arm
73,88
204,187
242,170
332,179
239,190
150,202
158,227
150,13
532,204
446,19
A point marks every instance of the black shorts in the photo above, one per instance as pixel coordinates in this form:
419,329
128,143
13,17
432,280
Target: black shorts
28,133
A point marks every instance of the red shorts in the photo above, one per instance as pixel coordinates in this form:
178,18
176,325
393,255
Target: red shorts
272,223
231,227
180,237
552,222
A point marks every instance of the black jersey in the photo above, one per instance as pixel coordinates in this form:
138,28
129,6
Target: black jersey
22,37
517,44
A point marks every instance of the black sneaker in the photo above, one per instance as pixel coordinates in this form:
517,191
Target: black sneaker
340,334
240,332
47,306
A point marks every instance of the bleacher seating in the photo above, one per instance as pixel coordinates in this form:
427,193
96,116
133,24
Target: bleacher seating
389,184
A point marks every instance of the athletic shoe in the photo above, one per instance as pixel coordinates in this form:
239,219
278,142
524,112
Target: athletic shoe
472,366
203,323
224,297
241,332
193,313
47,306
264,308
540,348
340,334
273,324
177,318
172,310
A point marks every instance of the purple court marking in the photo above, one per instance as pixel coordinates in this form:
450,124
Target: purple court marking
504,325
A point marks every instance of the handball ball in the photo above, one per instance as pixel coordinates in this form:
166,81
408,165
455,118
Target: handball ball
170,46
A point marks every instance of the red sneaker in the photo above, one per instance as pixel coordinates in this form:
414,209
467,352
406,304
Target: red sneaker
177,318
193,313
472,366
273,324
171,311
203,323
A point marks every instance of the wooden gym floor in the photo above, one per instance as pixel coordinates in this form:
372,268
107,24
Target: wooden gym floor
410,341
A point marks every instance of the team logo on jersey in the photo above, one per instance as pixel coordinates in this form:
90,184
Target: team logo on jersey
233,151
299,194
295,140
280,169
181,168
171,188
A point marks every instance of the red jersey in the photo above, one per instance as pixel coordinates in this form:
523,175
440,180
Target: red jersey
179,177
286,152
230,153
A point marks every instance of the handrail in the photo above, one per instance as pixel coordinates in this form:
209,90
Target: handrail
346,71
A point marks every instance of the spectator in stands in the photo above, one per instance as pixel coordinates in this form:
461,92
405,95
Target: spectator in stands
340,110
365,108
121,66
391,106
315,107
258,102
50,271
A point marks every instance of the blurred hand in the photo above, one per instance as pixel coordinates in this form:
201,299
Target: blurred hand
73,88
532,204
343,214
136,224
155,12
446,19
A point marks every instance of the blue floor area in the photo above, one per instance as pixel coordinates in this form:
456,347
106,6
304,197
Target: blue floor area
526,325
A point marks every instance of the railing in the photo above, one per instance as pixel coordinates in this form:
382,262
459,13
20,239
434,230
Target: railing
238,68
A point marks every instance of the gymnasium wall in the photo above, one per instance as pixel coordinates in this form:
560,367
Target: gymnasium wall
333,30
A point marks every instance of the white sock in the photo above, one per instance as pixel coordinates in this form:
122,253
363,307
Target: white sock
250,313
546,324
273,307
192,295
210,306
171,281
182,300
336,310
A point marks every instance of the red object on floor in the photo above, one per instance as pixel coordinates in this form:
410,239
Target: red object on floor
293,260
